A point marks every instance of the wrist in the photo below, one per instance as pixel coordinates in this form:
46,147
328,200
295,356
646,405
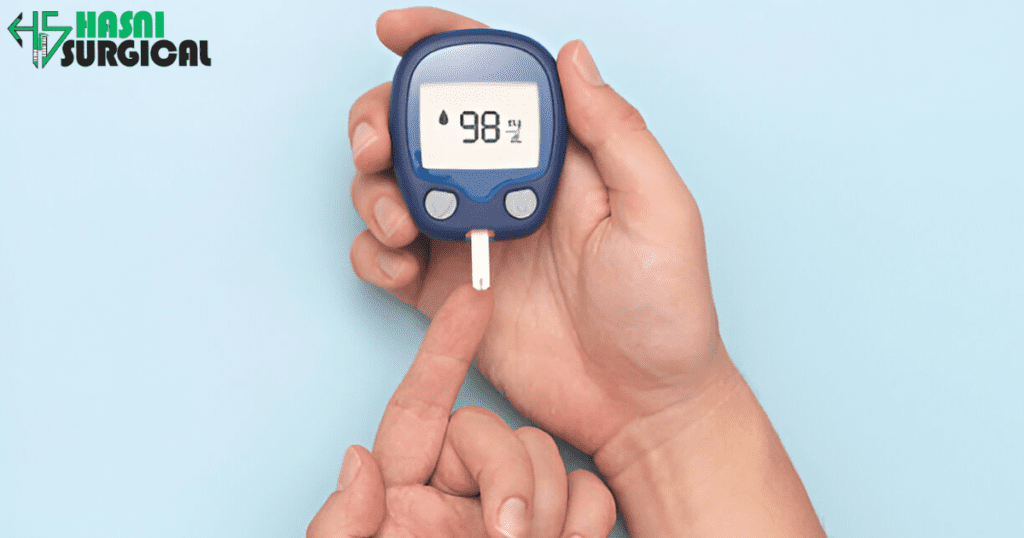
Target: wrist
645,439
709,466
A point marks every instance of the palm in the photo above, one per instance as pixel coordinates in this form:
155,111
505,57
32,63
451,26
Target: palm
581,312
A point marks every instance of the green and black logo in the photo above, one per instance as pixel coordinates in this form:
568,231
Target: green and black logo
95,40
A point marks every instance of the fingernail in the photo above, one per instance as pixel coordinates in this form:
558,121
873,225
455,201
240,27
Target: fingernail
362,137
586,66
388,215
349,468
512,518
389,263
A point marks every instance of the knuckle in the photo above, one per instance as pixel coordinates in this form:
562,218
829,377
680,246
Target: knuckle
630,119
423,409
472,421
364,104
628,122
616,126
536,436
352,259
472,415
585,479
358,252
354,188
356,111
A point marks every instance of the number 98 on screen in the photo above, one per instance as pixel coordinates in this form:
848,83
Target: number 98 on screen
479,125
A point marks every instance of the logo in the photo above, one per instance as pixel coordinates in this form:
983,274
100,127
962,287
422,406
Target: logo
95,44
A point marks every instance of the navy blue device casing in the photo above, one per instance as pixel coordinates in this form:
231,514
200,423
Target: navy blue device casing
480,194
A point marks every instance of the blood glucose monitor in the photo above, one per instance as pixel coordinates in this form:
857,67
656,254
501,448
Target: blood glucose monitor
478,133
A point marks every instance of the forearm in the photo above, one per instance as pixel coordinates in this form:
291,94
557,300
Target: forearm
714,467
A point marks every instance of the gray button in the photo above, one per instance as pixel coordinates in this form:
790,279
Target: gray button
440,204
521,204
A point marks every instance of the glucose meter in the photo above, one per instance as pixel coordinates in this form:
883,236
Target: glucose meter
478,134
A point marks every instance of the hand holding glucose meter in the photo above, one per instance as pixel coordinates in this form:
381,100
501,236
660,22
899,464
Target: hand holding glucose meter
478,136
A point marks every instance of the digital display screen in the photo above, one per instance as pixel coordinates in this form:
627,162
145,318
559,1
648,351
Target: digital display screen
480,125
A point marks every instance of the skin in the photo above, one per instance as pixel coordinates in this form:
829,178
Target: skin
435,475
613,287
604,329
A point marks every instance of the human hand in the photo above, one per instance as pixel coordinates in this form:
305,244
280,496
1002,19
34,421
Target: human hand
604,315
467,475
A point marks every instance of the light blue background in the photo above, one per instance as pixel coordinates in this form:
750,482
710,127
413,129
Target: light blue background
185,351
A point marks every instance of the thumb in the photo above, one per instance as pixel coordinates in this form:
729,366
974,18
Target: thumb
644,189
356,510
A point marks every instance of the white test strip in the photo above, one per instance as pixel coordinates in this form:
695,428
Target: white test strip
480,244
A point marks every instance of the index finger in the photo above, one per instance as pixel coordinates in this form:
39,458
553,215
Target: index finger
400,29
413,427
